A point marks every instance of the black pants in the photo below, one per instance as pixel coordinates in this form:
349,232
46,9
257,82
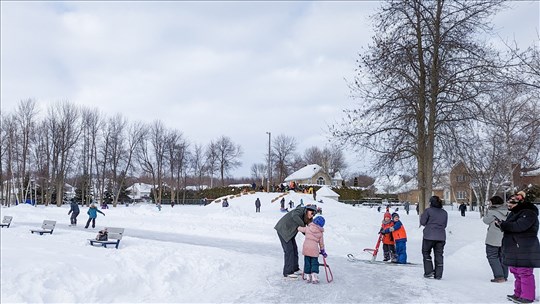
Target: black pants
93,222
73,218
438,249
290,255
257,209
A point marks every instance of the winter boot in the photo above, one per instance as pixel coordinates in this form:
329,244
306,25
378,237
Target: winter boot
314,278
308,278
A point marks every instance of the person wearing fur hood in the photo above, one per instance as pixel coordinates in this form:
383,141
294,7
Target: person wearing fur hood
496,211
520,245
313,246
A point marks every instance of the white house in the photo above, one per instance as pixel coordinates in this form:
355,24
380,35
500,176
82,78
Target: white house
314,175
327,192
139,190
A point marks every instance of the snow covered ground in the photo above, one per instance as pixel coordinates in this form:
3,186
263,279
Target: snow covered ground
210,254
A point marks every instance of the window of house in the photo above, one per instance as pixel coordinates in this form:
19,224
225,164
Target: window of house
461,178
461,194
320,181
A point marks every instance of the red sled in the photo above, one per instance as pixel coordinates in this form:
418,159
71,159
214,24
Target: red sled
376,250
327,271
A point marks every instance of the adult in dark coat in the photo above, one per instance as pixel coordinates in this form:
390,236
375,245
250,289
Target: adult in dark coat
462,209
257,205
287,228
74,211
435,220
521,249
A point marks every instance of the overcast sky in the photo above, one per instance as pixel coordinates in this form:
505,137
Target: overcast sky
208,69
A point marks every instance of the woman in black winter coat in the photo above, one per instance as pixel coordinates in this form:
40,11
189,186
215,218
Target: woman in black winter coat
520,246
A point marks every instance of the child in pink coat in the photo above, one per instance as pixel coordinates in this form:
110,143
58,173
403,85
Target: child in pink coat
313,241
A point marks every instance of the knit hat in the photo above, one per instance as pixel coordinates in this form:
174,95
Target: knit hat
395,214
496,200
435,201
311,207
517,198
319,221
387,215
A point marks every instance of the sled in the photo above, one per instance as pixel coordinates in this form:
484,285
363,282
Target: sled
327,271
376,250
352,258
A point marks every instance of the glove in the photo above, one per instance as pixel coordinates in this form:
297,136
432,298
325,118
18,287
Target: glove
391,229
323,253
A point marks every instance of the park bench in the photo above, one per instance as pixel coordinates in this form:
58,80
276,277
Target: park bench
46,227
6,221
114,237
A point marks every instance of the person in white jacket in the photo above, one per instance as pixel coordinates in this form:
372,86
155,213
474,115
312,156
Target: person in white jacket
496,211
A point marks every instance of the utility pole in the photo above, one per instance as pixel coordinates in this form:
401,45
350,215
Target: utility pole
269,163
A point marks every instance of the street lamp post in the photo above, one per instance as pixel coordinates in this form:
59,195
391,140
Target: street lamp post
269,164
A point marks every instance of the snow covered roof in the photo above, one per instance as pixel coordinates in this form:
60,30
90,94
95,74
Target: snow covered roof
337,176
408,186
388,183
326,192
531,173
141,187
305,173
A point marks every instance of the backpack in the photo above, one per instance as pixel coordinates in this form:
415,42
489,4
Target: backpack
102,236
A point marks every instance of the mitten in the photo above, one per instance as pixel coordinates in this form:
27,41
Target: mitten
323,253
391,229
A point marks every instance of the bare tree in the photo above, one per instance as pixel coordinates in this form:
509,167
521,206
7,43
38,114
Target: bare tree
283,150
198,164
24,116
424,71
259,171
151,157
91,124
211,161
64,130
227,155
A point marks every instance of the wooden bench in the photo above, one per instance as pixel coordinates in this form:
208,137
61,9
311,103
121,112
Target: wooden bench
6,221
114,237
46,227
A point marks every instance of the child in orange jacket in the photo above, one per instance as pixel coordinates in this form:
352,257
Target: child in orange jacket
400,238
387,239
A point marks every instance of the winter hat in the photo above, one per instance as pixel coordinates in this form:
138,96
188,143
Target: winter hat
518,198
496,200
319,221
312,208
435,201
387,215
395,214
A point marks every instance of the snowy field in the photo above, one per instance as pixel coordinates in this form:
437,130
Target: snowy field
210,254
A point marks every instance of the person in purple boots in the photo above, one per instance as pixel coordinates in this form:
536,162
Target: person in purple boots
520,246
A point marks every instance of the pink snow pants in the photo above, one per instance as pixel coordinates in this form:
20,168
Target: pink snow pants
524,286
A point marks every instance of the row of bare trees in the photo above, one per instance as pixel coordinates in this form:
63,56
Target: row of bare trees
40,152
99,154
432,91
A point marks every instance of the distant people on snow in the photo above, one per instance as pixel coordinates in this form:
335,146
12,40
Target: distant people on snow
257,205
92,214
74,211
462,209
